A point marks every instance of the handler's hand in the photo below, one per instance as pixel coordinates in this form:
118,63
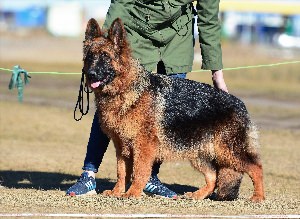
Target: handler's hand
218,80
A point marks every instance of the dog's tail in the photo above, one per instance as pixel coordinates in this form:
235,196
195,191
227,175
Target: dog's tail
228,184
252,143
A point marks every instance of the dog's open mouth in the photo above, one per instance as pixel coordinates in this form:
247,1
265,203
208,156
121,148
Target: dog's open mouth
96,84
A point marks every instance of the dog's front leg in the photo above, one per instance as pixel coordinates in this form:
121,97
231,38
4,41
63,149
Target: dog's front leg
143,159
119,188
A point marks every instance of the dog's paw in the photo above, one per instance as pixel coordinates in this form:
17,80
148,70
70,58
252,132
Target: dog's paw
111,193
107,193
131,195
257,198
195,195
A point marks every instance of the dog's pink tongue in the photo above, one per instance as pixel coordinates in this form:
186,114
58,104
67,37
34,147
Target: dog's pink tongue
95,84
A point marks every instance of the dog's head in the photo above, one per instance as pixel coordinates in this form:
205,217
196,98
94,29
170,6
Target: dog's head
104,53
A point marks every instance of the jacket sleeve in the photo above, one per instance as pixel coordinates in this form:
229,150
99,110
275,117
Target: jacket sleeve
209,29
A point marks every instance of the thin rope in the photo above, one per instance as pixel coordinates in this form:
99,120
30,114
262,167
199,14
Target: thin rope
253,66
199,70
46,72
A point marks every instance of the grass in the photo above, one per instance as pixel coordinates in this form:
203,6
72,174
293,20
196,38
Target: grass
42,149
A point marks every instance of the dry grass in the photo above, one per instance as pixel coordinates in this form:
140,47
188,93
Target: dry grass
42,149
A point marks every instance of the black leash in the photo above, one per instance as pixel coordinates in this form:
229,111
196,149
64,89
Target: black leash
80,103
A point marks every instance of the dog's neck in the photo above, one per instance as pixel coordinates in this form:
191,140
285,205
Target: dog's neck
126,88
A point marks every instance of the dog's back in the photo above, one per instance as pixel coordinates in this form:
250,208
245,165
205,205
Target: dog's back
195,114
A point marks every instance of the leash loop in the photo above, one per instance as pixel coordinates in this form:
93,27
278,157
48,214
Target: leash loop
80,101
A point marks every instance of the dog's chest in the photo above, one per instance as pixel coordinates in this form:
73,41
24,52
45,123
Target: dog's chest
124,115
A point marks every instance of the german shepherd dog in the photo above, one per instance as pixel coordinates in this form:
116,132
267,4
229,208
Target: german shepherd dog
153,117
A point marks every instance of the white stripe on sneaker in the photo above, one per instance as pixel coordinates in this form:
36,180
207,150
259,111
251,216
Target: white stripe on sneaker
89,185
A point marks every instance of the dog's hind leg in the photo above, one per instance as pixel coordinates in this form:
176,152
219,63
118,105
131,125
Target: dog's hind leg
255,172
253,166
210,175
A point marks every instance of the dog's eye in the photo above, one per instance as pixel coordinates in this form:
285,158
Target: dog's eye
89,57
105,57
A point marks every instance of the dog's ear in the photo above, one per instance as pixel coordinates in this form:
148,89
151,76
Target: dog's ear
117,34
92,30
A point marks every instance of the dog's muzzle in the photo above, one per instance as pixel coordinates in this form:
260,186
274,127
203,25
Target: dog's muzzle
95,81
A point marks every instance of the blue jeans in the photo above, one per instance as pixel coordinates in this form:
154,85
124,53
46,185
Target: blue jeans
98,141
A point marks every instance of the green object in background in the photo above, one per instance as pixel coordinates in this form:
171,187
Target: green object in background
288,26
16,81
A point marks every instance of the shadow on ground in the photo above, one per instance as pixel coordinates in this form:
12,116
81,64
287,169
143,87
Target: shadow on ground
44,180
60,181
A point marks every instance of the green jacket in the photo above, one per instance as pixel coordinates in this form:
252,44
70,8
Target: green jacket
163,30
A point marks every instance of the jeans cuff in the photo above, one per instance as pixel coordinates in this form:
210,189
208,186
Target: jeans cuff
178,75
90,168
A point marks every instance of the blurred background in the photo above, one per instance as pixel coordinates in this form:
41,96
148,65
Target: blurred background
47,36
273,22
42,147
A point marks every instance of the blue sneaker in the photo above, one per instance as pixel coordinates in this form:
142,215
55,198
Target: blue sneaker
155,187
85,185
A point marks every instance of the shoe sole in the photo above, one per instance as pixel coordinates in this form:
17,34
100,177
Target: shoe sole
92,192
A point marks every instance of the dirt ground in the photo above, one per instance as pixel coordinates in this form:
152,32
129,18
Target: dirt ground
42,148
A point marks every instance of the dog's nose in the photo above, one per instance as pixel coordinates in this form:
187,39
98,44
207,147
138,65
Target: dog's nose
92,74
